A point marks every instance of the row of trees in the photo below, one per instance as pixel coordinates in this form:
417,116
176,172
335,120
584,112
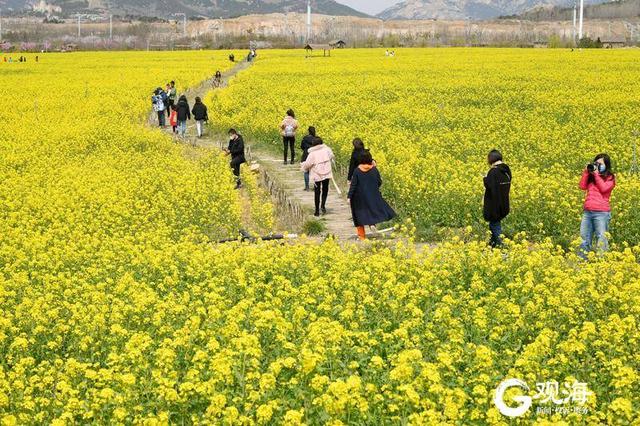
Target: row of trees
160,36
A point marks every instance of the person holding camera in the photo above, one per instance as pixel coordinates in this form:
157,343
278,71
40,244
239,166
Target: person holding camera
497,184
598,181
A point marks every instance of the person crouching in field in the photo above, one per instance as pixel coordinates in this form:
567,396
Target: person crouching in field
236,150
307,142
200,115
288,129
318,164
497,184
598,181
184,114
367,205
158,101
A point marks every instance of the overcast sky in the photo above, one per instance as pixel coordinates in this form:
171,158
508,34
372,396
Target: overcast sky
369,6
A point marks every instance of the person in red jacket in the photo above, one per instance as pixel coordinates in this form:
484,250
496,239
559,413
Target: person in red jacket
598,181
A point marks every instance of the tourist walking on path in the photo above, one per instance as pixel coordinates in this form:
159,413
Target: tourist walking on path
184,114
356,155
368,208
200,115
318,164
307,142
172,94
288,129
158,101
497,184
173,118
236,150
598,181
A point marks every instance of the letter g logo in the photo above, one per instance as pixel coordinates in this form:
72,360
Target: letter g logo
524,400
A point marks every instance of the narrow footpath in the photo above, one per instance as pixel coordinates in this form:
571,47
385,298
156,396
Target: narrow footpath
285,183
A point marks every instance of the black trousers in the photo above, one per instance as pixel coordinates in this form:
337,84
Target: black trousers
289,142
235,165
169,104
318,188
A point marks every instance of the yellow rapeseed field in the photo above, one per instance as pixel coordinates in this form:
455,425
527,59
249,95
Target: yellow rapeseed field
432,115
115,308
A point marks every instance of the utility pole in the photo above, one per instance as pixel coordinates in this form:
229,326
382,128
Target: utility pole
184,22
79,25
575,16
308,21
110,27
581,19
0,24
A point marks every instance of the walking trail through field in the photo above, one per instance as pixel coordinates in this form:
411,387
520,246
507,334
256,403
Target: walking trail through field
284,182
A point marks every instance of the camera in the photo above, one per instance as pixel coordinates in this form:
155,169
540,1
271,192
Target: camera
592,167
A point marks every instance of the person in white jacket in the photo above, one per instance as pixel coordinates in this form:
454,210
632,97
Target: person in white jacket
318,164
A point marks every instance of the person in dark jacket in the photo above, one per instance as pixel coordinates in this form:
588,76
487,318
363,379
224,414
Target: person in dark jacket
200,115
367,205
236,150
358,150
184,114
307,142
497,186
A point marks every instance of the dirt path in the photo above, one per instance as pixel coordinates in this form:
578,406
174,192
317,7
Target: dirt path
284,182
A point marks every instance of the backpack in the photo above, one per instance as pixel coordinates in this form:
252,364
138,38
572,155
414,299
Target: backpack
158,104
289,131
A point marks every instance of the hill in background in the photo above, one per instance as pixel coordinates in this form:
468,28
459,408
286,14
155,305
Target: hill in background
163,8
466,9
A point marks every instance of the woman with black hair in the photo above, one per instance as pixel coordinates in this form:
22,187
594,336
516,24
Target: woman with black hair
318,164
184,114
307,142
236,151
358,150
598,181
497,185
367,205
288,129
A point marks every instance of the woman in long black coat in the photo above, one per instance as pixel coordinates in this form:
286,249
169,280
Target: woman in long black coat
367,205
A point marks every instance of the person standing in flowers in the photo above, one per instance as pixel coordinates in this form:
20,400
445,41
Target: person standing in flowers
288,129
598,181
497,184
200,115
236,150
318,164
184,114
367,205
307,142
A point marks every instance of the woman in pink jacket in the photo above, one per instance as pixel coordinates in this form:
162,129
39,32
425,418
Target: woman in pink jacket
598,181
318,164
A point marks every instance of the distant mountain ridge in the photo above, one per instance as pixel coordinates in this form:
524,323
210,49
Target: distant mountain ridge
623,9
466,9
208,8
